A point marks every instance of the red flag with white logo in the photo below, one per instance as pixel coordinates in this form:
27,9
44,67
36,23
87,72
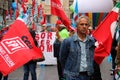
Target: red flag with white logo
17,48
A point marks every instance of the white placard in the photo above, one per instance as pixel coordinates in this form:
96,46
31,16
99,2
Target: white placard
45,41
85,6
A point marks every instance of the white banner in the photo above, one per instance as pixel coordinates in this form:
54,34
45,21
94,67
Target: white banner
86,6
45,41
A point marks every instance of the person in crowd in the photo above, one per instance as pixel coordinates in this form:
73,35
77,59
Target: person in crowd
14,7
9,5
90,30
97,73
116,48
53,29
4,78
2,33
44,28
71,32
61,34
3,9
117,60
113,53
31,65
77,52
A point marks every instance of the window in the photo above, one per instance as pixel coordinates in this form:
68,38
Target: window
48,18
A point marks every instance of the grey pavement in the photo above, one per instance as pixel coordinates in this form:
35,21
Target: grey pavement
43,73
50,72
105,70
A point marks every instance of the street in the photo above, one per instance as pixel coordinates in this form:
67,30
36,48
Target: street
105,70
43,73
50,72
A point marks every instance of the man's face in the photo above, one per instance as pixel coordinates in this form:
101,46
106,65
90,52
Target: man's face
82,26
58,26
44,27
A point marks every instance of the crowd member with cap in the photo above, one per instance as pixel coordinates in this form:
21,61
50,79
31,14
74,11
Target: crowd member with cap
97,73
61,34
72,31
31,65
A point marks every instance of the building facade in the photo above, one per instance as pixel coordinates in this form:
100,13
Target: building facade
47,10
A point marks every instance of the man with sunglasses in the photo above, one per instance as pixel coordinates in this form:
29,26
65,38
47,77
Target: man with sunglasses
77,51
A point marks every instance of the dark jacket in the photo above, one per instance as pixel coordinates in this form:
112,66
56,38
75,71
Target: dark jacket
33,34
70,55
56,47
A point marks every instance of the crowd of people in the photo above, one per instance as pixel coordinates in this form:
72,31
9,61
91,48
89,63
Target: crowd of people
73,49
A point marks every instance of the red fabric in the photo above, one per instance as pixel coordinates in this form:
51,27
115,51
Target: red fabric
6,12
39,9
103,35
56,9
25,1
33,12
24,9
33,3
17,48
33,6
43,21
58,22
17,13
33,26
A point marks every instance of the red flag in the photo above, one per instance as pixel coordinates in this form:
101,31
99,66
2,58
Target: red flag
33,7
17,13
39,9
33,3
43,21
33,26
56,9
17,48
104,35
33,11
24,8
25,1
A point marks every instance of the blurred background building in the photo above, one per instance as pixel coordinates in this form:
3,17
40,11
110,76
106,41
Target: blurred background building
47,9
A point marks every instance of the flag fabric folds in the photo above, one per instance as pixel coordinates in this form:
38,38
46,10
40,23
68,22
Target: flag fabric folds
43,20
17,48
105,33
56,9
76,7
76,13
